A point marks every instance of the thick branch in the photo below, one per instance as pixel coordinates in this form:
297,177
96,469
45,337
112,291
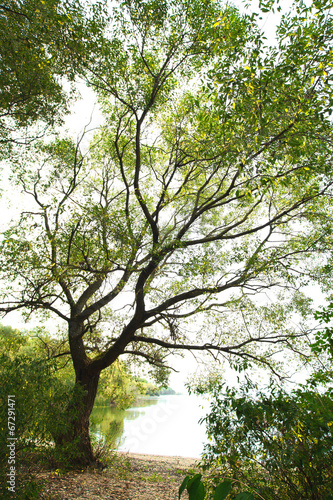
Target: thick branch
99,304
151,360
34,306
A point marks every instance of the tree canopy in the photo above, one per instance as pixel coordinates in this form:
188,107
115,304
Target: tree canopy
209,183
42,45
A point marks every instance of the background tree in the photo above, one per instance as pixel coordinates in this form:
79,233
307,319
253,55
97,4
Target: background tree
207,186
119,388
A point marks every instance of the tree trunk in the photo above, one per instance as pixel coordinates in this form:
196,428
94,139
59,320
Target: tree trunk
73,439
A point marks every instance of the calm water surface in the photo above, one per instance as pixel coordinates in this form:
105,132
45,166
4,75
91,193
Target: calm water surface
165,425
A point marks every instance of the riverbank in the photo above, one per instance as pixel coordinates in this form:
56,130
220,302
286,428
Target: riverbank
129,477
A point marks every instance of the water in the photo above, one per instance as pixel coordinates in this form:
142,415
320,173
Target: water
167,425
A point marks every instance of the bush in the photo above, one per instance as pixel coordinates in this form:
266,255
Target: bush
196,490
34,396
278,443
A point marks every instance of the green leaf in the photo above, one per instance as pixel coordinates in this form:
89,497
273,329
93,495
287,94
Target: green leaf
183,486
197,491
244,496
222,490
195,488
194,480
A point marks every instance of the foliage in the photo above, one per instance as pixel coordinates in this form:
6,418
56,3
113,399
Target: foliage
39,398
42,389
322,346
12,342
27,488
209,184
278,443
42,43
31,381
319,363
40,393
249,169
118,387
196,490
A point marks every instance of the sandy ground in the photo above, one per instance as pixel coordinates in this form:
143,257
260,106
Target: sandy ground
128,477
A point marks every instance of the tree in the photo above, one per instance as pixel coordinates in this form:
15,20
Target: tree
42,43
207,185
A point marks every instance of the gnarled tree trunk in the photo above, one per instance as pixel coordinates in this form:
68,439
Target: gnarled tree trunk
73,439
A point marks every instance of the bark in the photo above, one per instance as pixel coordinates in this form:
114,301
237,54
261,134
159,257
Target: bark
73,440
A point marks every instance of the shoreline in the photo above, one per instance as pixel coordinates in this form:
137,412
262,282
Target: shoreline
188,461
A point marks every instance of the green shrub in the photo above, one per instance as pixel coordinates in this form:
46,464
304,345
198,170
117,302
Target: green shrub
196,490
279,443
38,396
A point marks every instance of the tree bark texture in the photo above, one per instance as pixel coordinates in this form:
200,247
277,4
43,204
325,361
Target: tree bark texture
74,437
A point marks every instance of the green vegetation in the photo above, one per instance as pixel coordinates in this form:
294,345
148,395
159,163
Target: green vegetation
42,44
197,491
278,443
40,396
192,221
119,388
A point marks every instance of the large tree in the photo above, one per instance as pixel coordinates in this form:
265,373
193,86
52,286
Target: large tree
206,186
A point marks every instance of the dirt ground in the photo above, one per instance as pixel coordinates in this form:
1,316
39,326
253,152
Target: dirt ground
128,477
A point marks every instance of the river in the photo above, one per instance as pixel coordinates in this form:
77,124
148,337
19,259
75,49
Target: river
164,425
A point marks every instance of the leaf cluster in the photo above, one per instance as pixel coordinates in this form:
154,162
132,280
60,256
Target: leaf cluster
278,442
43,44
196,490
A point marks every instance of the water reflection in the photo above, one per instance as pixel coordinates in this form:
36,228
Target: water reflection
167,425
108,422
